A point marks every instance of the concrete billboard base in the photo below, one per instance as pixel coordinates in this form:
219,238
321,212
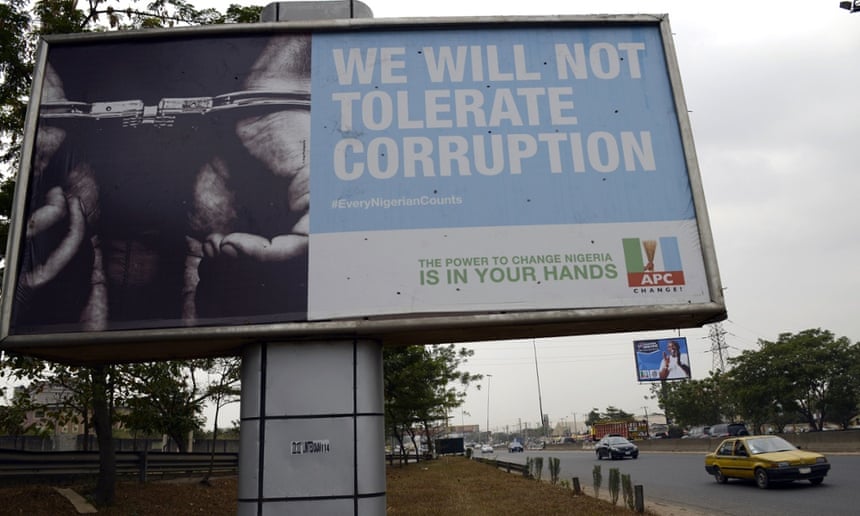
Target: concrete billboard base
312,429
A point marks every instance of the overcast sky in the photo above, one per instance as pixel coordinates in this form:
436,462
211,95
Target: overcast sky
773,90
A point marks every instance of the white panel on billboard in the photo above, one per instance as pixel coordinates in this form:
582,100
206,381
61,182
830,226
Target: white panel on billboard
447,180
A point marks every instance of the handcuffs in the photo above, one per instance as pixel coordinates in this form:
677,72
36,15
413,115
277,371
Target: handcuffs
134,113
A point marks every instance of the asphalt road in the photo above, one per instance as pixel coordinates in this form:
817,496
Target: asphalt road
679,479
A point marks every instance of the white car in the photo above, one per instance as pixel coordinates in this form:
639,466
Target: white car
487,448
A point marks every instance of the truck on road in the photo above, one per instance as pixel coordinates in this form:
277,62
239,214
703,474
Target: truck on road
628,429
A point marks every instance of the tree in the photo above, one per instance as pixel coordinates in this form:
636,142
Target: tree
810,374
768,399
102,418
7,191
164,398
422,385
223,391
593,417
12,416
17,43
168,397
692,402
73,401
89,397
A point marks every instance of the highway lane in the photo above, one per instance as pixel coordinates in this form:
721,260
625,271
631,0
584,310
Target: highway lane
680,479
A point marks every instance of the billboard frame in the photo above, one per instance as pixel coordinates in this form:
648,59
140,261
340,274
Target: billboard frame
187,342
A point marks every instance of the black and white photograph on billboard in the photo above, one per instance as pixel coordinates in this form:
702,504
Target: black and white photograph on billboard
662,359
169,186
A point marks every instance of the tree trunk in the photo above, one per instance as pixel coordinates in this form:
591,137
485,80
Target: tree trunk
180,440
106,484
86,444
212,451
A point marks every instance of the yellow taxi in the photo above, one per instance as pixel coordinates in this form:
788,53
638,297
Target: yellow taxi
766,459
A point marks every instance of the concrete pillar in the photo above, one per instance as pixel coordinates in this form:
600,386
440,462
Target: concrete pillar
312,429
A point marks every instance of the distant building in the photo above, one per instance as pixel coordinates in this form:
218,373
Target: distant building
51,415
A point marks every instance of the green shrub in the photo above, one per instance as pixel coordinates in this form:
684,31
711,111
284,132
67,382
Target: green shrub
597,475
538,463
627,487
614,485
554,469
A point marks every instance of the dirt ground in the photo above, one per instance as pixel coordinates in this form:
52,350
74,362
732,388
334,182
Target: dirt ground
451,487
132,498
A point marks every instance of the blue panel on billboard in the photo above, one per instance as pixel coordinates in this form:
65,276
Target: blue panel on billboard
494,127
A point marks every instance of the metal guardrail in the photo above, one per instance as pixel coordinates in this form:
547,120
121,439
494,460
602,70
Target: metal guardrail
27,465
522,469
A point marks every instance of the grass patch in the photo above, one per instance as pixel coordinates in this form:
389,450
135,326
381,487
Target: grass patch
458,486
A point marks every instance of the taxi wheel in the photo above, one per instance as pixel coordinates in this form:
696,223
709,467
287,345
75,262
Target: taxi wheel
720,478
761,478
816,481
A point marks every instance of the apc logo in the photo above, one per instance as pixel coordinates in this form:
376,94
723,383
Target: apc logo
640,257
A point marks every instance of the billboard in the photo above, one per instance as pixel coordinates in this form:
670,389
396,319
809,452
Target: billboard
662,359
446,180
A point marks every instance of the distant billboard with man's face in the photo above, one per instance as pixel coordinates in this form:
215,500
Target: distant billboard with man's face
662,359
446,181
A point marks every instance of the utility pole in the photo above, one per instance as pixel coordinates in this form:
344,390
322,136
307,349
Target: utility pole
489,433
540,400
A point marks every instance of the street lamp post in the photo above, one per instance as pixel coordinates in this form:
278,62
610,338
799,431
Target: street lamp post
489,434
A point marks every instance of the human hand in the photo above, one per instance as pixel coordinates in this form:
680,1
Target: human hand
279,140
57,209
666,358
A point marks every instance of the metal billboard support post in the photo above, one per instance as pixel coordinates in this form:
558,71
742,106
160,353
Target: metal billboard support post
312,426
312,420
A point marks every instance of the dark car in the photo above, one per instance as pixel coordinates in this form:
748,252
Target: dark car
728,430
615,447
699,432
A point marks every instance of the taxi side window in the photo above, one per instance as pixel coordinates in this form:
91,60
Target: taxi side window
726,448
740,450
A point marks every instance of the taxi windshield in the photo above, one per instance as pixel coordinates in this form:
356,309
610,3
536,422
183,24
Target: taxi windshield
769,445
